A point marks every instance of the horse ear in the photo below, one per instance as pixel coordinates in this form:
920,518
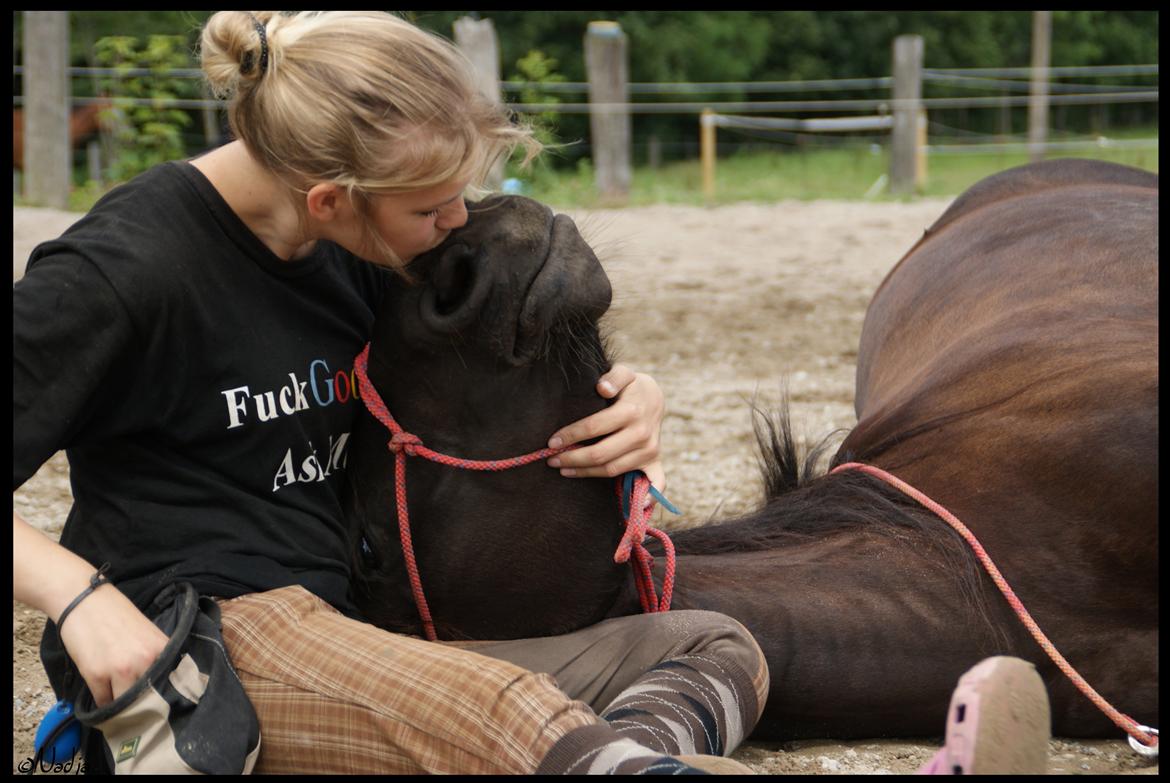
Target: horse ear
570,284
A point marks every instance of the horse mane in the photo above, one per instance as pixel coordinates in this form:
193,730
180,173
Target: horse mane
802,502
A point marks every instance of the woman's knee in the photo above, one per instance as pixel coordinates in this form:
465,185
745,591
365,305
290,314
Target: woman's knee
713,633
709,631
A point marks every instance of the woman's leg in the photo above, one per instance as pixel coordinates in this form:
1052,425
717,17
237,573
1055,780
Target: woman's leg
339,696
680,682
335,695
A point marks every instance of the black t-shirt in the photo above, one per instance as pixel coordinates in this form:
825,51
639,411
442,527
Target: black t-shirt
201,387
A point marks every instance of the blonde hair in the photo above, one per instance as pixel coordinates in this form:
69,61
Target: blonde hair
362,99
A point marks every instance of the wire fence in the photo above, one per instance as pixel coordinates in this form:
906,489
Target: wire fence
966,77
1013,86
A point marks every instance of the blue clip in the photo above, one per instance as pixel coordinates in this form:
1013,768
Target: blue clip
628,491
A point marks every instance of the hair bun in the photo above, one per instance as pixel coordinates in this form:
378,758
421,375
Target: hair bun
232,45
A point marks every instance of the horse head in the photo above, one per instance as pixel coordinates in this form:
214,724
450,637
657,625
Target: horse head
490,349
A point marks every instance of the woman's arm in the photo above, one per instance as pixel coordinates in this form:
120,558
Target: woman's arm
110,641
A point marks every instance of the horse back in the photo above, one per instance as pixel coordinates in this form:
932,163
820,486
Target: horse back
1008,363
1045,258
1035,178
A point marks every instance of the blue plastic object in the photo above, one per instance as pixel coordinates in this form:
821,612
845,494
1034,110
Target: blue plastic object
67,741
628,492
514,187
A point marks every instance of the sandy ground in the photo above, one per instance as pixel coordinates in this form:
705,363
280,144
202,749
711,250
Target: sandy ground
720,306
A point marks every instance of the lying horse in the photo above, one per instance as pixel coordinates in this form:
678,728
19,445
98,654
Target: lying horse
1007,369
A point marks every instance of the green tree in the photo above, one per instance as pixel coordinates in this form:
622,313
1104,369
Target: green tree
537,69
721,46
148,130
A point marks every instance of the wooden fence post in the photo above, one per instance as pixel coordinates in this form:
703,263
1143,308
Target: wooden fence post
212,137
476,38
904,154
1038,95
707,154
48,155
920,152
608,73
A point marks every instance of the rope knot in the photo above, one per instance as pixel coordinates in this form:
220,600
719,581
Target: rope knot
635,490
404,442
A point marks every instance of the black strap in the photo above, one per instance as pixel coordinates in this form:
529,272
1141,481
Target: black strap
95,581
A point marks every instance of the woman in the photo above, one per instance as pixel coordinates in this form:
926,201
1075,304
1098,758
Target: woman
176,341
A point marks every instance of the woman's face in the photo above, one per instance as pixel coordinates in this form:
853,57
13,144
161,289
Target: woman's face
413,223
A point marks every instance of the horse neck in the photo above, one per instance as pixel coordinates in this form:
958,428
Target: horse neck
535,565
531,546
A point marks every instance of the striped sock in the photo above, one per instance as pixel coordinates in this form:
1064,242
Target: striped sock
693,704
599,750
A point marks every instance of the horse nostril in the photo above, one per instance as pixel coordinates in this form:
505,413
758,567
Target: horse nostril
453,279
455,291
453,283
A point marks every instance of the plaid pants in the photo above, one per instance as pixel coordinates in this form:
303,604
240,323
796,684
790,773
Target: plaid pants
335,695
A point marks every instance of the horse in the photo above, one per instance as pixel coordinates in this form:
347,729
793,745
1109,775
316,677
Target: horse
1007,368
84,122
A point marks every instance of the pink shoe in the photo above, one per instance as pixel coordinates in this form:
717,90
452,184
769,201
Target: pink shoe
998,722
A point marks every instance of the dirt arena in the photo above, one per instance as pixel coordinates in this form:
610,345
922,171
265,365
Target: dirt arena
721,306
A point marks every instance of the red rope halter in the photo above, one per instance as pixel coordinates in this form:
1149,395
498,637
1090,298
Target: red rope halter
404,445
1143,734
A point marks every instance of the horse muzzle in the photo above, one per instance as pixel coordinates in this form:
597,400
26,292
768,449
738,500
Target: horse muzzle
509,275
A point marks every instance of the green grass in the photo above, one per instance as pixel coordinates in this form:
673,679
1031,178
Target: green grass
817,174
950,175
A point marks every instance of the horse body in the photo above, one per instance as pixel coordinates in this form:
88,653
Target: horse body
859,633
1007,368
84,122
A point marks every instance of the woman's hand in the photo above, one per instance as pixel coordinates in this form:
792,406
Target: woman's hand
111,642
629,431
